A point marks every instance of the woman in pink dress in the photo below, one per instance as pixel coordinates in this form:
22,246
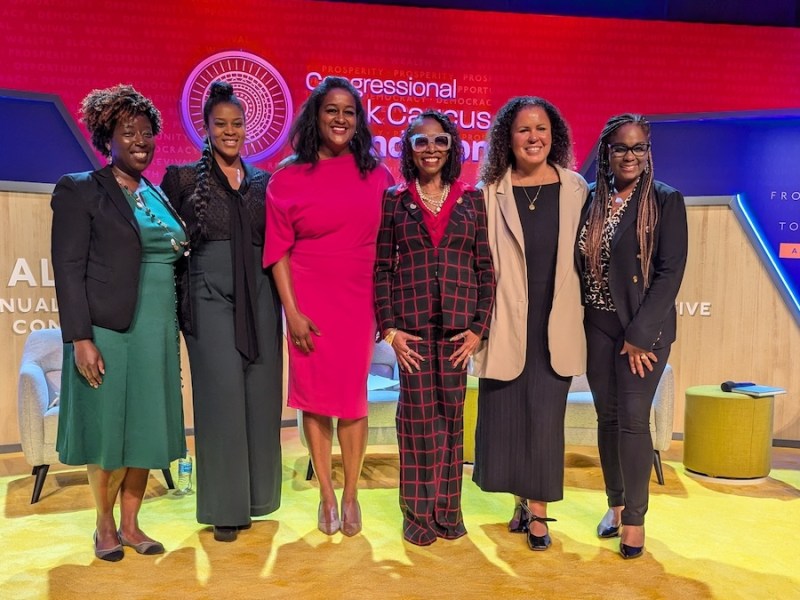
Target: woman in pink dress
323,212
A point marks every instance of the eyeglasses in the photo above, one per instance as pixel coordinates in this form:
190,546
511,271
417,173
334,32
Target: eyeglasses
421,142
620,150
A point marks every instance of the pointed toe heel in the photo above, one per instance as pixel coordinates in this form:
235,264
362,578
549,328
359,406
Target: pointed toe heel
328,521
607,527
351,519
628,552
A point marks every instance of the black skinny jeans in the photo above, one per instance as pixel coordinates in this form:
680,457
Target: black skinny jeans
622,400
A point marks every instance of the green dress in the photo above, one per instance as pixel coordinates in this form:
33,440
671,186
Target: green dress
135,417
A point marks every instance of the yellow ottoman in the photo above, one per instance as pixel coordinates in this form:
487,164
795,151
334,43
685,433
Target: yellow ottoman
727,435
470,418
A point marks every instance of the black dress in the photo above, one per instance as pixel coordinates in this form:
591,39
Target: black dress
519,440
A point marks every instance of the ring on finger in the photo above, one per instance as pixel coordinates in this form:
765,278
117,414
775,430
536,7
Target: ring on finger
643,356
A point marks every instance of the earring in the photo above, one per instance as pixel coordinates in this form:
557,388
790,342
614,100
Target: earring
646,167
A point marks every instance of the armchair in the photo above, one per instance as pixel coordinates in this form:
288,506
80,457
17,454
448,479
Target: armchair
37,395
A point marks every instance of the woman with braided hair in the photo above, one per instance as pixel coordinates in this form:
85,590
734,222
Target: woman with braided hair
231,322
632,253
115,242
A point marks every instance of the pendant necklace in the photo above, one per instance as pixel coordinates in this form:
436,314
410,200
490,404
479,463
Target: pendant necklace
532,203
618,201
142,205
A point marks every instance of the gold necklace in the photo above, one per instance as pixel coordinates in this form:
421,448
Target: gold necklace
434,205
532,203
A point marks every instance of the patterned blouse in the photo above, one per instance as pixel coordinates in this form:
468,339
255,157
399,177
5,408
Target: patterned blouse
597,292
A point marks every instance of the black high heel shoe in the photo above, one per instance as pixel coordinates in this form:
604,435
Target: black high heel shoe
606,527
628,552
538,542
519,521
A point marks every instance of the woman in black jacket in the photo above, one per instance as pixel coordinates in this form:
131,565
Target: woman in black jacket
115,241
632,250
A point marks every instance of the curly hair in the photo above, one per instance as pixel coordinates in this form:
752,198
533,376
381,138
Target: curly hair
101,110
305,136
500,154
221,92
648,208
455,156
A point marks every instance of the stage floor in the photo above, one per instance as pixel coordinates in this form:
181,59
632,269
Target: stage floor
704,540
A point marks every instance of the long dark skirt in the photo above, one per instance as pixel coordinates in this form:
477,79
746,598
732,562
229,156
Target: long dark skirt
519,440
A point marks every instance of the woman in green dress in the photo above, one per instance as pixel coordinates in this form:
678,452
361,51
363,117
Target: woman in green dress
115,243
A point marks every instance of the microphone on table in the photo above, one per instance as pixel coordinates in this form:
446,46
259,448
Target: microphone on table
728,386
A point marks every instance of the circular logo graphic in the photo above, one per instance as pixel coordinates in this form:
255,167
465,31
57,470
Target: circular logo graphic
262,91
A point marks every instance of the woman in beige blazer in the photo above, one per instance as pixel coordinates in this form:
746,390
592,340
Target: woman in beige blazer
536,342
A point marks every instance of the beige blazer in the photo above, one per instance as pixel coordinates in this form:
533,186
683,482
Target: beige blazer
502,355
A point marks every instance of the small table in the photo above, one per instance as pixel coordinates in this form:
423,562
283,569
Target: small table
727,435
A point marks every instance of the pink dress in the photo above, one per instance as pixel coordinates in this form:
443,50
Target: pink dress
326,218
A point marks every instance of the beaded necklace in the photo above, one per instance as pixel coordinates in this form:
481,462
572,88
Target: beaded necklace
433,205
140,203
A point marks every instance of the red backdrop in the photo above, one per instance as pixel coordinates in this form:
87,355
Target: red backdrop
590,68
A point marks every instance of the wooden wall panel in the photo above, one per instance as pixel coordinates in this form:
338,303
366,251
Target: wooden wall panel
748,334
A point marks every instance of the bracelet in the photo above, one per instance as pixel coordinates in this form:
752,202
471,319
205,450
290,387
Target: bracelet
389,337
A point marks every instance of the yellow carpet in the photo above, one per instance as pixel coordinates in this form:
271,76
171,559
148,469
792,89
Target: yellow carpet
703,541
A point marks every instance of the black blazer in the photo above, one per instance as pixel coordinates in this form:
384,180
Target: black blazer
96,251
648,316
408,265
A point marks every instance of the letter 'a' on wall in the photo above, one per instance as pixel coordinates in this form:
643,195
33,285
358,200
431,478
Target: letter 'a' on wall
749,160
47,142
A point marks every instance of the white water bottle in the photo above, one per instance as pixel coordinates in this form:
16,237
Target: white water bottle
184,485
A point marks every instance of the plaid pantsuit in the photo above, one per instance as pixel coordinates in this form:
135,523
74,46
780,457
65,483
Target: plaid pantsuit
434,293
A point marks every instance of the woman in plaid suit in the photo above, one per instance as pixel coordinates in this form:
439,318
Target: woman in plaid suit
434,291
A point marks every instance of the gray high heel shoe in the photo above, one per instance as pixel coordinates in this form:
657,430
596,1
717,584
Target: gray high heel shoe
328,523
351,521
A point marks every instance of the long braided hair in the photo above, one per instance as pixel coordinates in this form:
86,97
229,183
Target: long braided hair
221,93
648,209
